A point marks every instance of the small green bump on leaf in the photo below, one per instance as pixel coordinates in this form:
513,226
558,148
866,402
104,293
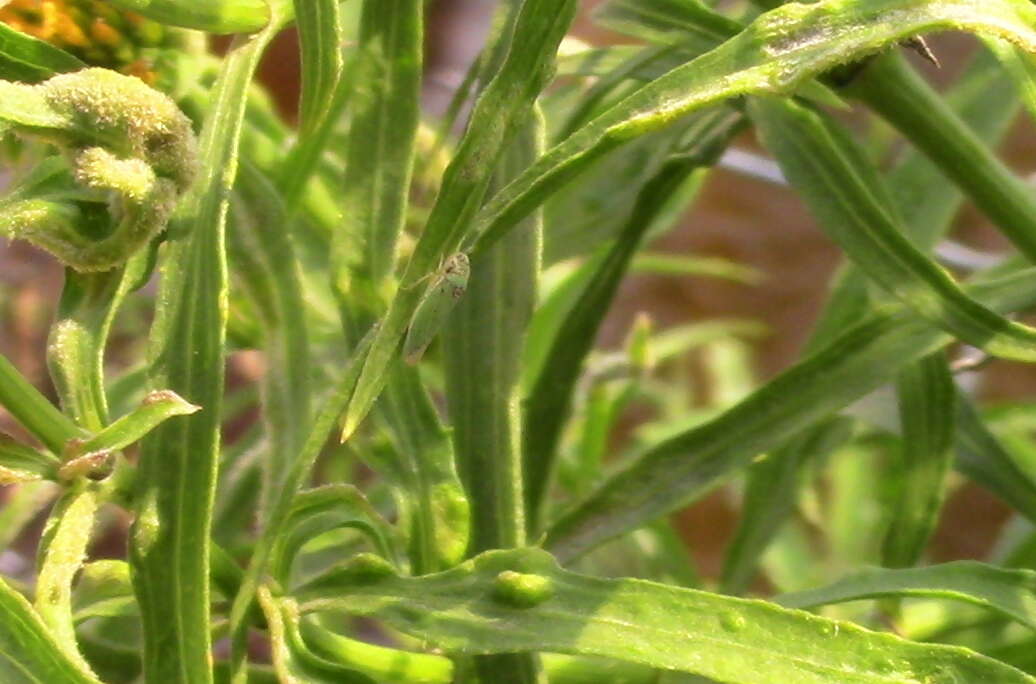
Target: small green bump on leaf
521,590
732,622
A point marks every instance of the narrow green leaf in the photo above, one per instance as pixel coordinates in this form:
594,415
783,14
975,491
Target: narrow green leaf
75,355
27,59
770,496
728,639
1022,68
607,85
849,200
281,505
775,54
263,259
482,351
896,92
548,403
441,513
928,203
157,407
213,16
927,406
506,101
680,469
321,510
34,411
169,546
28,652
382,664
699,266
982,457
75,349
292,659
551,313
588,215
595,61
668,22
385,107
982,107
303,161
20,463
62,550
320,40
1012,593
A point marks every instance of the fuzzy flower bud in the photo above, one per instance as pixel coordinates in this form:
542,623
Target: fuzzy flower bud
128,146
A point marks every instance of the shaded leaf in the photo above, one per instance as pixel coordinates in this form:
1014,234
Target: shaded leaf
505,102
320,40
774,54
28,653
1011,593
321,510
28,59
927,409
727,639
678,470
851,203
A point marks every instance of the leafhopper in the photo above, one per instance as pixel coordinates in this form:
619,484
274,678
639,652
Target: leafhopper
449,285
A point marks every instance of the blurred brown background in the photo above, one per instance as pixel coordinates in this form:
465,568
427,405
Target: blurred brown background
737,217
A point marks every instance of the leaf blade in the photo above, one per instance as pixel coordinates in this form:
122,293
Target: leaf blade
728,639
1008,592
27,651
854,208
539,28
680,469
772,55
320,40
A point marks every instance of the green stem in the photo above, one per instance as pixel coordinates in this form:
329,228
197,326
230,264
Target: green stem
483,344
439,530
35,413
890,87
170,539
75,351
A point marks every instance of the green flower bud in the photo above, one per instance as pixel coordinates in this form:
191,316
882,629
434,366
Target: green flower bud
131,154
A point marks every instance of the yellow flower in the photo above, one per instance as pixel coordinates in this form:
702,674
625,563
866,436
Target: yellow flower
92,30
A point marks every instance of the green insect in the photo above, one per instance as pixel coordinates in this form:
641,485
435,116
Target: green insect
449,285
